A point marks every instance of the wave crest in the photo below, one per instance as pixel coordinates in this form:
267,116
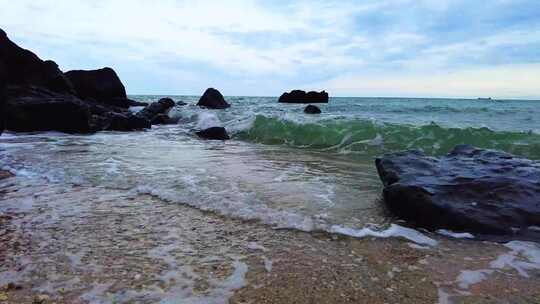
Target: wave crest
373,138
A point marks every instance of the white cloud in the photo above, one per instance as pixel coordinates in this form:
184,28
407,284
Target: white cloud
201,40
506,81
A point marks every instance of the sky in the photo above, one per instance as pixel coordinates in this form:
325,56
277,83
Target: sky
409,48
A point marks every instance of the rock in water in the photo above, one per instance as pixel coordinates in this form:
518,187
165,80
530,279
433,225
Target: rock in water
311,109
299,96
213,99
475,190
156,112
101,85
217,133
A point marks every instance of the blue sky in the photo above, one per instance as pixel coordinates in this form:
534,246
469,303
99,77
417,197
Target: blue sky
350,48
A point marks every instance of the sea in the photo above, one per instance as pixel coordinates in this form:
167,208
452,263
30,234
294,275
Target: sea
282,167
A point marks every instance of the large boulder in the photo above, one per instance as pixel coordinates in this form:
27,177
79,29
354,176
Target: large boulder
215,133
157,112
19,66
299,96
101,85
311,109
212,99
475,190
39,97
38,109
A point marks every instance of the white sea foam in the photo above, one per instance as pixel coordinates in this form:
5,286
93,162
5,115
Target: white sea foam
514,259
393,231
523,257
443,297
282,219
467,278
456,235
267,264
255,246
207,120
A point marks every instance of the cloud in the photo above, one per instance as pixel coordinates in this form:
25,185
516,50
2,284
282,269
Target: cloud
467,83
265,47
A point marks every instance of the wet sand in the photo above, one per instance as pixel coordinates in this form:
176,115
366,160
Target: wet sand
66,244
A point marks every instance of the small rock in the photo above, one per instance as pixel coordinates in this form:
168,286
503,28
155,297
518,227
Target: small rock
214,133
213,99
311,109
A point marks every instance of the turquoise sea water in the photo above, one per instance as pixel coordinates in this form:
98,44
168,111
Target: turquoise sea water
282,167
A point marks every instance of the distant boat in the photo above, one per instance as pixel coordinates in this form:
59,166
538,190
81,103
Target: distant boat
485,98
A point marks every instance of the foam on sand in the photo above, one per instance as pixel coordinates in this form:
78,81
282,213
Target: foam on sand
393,231
456,235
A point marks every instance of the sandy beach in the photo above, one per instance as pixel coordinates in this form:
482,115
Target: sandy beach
92,245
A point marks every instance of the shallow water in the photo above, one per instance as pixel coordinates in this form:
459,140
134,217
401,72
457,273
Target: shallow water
285,168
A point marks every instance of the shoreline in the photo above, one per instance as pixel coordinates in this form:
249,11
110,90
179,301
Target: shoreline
67,244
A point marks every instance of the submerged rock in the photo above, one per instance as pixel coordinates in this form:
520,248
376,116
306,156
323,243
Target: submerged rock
475,190
311,109
213,99
156,112
299,96
216,133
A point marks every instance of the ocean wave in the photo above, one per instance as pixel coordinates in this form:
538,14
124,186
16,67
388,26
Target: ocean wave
373,138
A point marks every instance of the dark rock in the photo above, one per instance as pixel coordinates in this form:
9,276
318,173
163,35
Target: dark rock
5,174
102,85
156,112
311,109
475,190
164,119
126,122
37,109
181,103
299,96
39,97
217,133
213,99
22,67
134,103
2,110
125,103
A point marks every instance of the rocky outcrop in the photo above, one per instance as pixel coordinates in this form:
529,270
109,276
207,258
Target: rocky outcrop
311,109
299,96
475,190
39,97
38,109
215,133
22,67
101,85
156,112
212,99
